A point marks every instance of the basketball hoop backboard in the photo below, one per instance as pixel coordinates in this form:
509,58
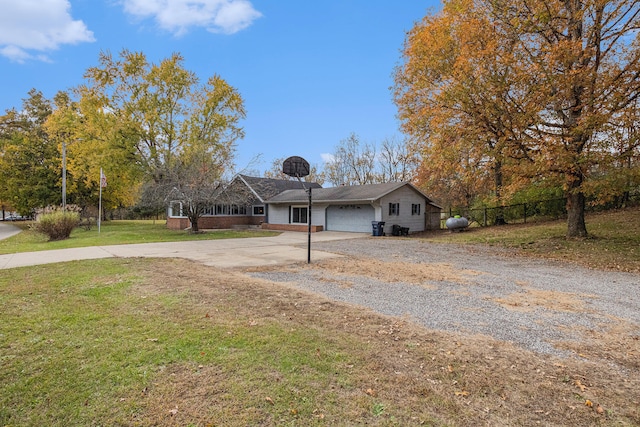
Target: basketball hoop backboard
296,167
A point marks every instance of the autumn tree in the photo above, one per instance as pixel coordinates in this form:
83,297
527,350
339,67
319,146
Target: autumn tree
152,118
585,58
459,103
92,144
570,69
30,163
155,111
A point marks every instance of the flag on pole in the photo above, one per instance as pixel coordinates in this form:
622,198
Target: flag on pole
103,179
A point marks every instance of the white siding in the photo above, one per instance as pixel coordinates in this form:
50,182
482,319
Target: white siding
279,214
378,214
318,215
406,197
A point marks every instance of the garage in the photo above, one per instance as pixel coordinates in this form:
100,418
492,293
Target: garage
355,218
354,207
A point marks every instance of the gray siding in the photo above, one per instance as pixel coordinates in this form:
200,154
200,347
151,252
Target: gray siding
318,215
279,214
406,197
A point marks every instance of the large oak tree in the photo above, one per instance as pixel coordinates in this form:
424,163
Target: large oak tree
564,75
159,124
460,104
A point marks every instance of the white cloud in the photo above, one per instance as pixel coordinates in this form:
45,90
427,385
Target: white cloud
177,16
328,157
38,25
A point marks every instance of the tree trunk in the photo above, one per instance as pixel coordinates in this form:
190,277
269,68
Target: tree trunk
194,223
576,226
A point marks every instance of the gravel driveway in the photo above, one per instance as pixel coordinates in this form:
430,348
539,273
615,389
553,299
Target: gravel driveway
533,303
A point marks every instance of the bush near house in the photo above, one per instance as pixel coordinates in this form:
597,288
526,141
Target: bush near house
57,225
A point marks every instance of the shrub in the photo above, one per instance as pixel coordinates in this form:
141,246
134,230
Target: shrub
57,225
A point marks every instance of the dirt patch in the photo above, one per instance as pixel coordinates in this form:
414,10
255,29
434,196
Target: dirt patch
394,371
423,274
532,299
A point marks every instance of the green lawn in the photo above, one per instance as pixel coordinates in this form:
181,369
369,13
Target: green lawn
107,343
116,233
613,242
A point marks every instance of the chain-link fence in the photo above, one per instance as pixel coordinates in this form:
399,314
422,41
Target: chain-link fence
536,211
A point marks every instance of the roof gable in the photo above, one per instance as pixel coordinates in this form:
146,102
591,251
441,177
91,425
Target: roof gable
266,188
344,194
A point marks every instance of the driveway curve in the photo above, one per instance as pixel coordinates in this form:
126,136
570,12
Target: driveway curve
7,230
288,247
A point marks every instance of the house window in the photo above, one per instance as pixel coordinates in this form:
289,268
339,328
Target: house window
225,210
415,209
222,209
394,208
176,209
299,215
258,210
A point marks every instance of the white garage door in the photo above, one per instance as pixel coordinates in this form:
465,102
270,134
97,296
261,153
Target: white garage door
355,218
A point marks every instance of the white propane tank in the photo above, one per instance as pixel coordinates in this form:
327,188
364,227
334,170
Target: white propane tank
457,223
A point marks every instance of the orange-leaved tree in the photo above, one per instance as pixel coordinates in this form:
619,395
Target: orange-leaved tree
570,72
585,58
460,103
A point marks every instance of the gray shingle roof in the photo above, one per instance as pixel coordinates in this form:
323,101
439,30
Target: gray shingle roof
266,188
343,194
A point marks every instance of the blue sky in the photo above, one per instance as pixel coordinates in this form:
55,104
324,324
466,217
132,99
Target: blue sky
310,72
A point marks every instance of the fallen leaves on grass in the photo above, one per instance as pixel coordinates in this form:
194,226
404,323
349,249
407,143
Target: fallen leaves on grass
579,384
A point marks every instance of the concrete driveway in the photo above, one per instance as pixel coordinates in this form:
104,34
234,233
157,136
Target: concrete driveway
288,247
7,230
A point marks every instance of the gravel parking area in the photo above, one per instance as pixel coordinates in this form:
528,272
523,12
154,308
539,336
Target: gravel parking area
544,306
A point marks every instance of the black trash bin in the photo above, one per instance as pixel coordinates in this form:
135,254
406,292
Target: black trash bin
378,228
